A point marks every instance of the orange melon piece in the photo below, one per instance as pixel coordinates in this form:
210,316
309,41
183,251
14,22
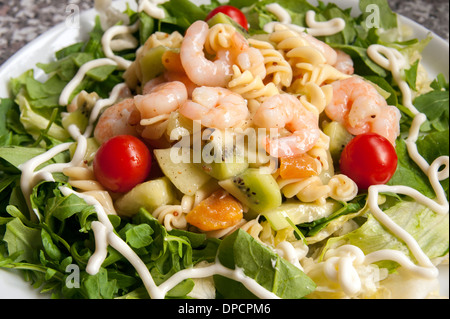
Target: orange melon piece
218,211
301,166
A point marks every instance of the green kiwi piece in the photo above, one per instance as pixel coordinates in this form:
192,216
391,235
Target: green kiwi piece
255,189
339,137
223,170
150,63
148,195
78,117
91,149
223,18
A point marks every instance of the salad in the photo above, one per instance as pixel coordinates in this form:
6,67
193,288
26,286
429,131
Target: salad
247,149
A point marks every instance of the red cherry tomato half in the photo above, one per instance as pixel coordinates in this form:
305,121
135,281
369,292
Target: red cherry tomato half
232,12
121,163
369,159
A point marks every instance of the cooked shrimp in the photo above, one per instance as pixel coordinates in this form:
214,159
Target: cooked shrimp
199,69
183,78
162,98
115,121
286,111
215,107
150,85
358,105
217,73
344,63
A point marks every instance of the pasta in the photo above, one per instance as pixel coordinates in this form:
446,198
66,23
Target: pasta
82,178
308,62
342,188
320,151
308,190
174,216
250,87
279,71
219,37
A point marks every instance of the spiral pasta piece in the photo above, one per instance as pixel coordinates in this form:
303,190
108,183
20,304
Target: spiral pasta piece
308,190
249,86
171,216
279,71
83,179
171,40
342,188
308,63
319,74
320,151
174,216
220,37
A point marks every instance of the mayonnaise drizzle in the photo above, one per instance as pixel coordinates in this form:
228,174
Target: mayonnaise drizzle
315,28
151,8
85,68
109,35
101,104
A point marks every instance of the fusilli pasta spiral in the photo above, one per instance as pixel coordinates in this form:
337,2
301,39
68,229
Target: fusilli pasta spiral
251,87
219,38
308,63
174,216
308,190
279,71
342,188
82,178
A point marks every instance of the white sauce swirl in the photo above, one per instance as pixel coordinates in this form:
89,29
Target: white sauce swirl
108,37
315,28
85,68
151,8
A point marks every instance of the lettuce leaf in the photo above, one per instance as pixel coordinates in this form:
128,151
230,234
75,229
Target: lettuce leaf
262,264
429,229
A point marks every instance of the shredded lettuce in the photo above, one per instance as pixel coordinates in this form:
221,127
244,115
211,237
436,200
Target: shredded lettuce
429,229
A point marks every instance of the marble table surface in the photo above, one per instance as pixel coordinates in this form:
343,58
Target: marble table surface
21,21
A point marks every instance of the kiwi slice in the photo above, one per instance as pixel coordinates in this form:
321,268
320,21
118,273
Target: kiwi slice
91,149
78,118
339,138
224,170
149,195
223,18
255,189
150,63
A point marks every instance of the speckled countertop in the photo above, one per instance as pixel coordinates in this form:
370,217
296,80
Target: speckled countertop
21,21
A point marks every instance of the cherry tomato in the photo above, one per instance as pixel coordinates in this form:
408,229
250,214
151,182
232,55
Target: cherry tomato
369,159
121,163
232,12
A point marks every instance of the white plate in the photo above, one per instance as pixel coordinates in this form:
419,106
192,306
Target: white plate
435,60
